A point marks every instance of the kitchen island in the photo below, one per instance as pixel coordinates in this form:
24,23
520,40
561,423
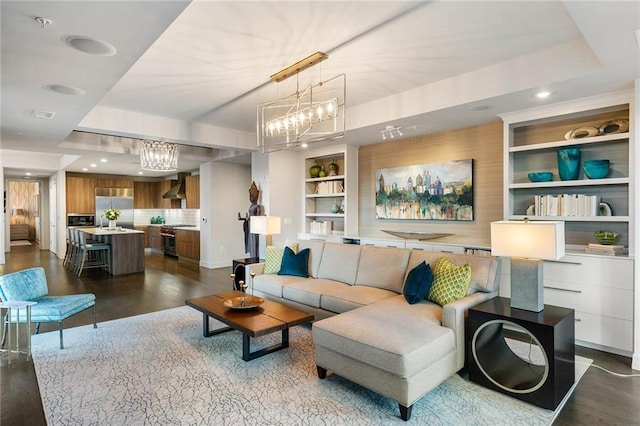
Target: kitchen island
127,248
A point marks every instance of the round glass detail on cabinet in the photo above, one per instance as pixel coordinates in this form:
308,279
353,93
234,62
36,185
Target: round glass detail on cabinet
516,365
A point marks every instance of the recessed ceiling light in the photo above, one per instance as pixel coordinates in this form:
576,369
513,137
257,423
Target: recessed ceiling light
103,160
37,113
543,94
91,46
65,90
480,107
140,173
93,165
84,169
28,174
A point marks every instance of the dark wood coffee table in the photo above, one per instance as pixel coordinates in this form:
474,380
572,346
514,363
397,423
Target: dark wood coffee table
266,319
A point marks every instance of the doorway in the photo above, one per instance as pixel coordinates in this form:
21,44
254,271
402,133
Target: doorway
23,208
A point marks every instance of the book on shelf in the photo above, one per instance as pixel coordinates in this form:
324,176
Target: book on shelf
607,252
605,247
566,205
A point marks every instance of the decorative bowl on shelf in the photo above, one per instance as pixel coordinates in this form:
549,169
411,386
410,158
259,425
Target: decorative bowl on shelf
607,237
596,169
540,176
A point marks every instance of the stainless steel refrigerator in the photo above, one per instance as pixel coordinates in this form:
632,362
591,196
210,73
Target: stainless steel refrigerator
117,198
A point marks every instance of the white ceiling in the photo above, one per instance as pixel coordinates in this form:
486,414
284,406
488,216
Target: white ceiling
193,72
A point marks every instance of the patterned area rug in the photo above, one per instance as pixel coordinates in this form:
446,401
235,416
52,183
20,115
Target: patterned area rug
158,369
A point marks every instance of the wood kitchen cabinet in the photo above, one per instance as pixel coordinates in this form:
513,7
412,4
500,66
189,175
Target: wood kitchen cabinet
81,196
113,183
145,195
188,244
192,184
155,239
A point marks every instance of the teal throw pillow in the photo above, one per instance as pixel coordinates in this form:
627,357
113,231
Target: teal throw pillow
418,283
295,264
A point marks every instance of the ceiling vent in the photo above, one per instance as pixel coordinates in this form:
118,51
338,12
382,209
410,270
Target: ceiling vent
37,113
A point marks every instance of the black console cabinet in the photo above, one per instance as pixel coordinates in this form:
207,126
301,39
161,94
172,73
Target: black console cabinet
493,364
238,269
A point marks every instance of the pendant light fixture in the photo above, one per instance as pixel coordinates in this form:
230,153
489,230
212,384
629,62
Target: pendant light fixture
158,156
311,114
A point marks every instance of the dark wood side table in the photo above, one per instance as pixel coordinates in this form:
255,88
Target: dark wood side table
493,364
238,268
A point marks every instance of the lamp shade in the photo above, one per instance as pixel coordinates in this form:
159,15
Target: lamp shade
528,239
264,225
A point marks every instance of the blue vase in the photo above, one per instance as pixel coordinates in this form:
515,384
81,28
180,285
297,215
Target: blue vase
568,163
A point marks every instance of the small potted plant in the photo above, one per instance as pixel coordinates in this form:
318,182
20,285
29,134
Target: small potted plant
112,215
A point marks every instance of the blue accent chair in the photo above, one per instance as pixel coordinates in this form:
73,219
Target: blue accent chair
31,285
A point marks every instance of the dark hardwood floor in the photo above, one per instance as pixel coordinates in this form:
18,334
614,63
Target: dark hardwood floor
599,398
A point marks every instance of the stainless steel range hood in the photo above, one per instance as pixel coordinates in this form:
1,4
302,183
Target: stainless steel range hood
178,191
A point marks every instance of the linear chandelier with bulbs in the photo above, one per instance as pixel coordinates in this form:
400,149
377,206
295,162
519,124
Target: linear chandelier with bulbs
312,114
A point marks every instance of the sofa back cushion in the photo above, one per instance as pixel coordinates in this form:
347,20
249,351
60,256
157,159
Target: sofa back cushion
383,267
339,262
485,270
315,255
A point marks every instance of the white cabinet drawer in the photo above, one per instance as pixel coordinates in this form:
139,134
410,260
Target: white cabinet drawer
591,270
381,243
611,302
442,248
605,331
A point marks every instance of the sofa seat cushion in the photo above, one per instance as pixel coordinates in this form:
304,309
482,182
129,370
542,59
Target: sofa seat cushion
309,291
273,284
351,297
399,338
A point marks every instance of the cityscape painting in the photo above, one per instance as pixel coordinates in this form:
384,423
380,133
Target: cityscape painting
439,191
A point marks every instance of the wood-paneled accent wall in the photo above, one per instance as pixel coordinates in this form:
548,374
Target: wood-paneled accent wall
25,196
482,143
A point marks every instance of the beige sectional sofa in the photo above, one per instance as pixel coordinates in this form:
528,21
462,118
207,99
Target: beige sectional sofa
365,330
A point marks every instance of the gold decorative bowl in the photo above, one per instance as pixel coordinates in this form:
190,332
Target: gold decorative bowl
244,302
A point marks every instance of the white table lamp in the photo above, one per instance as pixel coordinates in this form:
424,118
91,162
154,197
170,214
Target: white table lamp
264,225
527,243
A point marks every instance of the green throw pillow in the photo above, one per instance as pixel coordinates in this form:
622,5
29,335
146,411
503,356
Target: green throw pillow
273,258
450,282
418,283
295,264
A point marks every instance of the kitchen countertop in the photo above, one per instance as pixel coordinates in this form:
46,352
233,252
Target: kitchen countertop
106,231
189,228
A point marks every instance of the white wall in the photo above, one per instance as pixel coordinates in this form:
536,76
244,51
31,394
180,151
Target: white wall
4,223
278,177
634,159
224,192
58,213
